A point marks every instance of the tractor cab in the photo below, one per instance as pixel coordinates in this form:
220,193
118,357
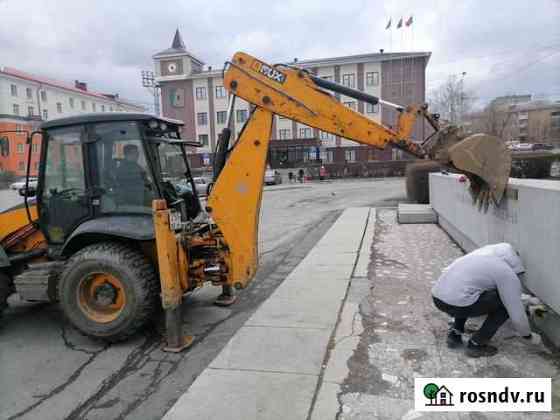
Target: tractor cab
101,172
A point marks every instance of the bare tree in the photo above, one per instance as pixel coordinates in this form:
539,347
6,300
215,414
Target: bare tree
451,100
498,121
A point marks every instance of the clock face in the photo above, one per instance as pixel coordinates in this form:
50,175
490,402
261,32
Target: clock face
172,68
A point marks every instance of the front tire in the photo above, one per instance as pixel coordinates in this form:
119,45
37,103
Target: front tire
108,291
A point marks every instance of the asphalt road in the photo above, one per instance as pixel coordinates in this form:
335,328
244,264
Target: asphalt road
49,370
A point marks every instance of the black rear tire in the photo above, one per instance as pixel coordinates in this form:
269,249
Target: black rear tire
134,273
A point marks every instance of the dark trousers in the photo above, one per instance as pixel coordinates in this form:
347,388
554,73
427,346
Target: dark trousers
489,303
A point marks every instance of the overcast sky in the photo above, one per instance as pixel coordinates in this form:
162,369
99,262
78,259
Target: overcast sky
504,46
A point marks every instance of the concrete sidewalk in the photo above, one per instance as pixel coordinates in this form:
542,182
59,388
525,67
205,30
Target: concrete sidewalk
348,330
271,368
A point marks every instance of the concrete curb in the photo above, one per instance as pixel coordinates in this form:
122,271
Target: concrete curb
273,366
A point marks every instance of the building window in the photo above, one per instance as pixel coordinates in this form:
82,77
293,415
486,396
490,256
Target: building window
59,107
36,165
284,134
203,139
351,105
372,78
30,111
83,105
93,107
372,109
220,92
305,133
71,102
45,114
21,165
20,148
221,117
15,108
34,148
241,115
350,155
349,80
555,120
44,96
13,89
200,93
324,135
202,118
29,93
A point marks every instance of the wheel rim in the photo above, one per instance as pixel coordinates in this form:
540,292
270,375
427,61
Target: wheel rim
101,297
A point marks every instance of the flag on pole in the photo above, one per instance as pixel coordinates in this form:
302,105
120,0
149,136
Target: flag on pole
388,24
409,21
399,25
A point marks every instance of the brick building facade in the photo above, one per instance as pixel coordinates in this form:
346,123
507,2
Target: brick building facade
26,100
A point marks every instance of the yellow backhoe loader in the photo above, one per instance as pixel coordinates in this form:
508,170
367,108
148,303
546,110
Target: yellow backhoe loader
116,230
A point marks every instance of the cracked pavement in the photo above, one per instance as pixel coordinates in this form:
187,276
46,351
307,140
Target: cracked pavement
390,332
49,370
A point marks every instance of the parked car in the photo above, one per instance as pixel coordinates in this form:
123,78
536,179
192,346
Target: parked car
201,184
555,169
272,177
523,147
19,184
542,146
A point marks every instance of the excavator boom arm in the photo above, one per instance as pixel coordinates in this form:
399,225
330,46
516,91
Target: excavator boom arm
300,96
293,93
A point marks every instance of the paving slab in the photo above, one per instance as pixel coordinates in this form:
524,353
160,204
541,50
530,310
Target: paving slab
326,405
288,350
335,271
312,310
231,394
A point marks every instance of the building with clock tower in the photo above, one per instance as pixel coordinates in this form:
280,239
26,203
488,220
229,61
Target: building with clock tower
194,93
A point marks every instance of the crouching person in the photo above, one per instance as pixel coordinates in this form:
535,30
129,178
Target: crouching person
484,282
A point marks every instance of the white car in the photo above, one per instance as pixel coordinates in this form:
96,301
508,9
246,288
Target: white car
272,177
201,185
19,185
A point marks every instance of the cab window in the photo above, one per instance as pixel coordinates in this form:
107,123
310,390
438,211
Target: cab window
124,178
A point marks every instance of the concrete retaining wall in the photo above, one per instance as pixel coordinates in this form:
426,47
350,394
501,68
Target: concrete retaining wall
528,218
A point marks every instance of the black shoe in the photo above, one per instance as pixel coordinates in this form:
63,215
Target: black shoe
454,339
480,350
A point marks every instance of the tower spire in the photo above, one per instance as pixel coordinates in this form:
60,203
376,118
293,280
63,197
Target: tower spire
178,41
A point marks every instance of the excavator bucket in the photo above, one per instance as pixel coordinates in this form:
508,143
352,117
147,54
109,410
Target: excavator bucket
486,161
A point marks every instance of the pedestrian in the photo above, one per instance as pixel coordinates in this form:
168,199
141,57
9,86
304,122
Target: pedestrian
300,175
484,282
291,177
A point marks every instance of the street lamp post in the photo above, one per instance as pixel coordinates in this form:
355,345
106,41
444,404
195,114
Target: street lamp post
149,82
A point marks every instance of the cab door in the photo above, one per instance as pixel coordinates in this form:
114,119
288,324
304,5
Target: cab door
63,199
